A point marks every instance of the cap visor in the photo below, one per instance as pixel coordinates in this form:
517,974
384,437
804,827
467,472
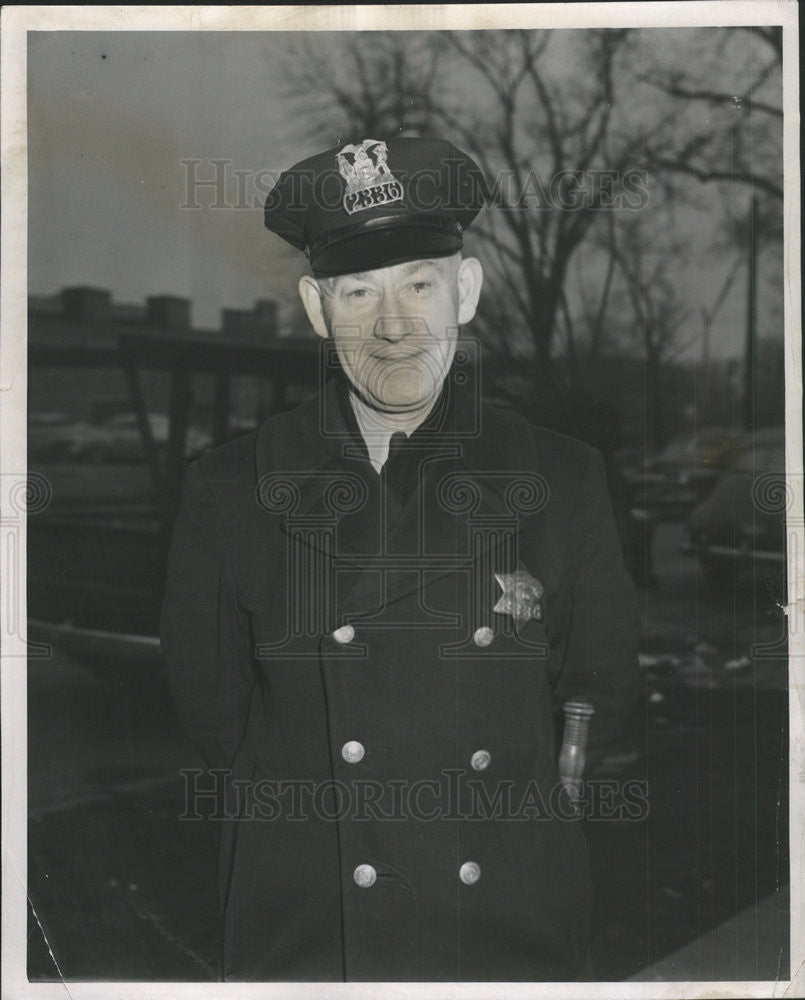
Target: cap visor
378,248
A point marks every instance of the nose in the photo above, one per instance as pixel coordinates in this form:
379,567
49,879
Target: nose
392,323
394,328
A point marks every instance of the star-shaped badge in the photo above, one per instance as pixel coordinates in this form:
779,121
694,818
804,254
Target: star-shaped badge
520,598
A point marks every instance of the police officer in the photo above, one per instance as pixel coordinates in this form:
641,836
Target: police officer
376,607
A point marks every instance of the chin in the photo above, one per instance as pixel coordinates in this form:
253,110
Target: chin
400,405
407,387
413,394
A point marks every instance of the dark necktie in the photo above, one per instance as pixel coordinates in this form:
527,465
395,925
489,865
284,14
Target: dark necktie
395,472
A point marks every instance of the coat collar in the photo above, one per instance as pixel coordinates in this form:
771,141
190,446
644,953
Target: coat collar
489,444
480,470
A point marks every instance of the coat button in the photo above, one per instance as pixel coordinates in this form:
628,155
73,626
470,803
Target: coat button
483,636
469,873
481,760
364,876
344,634
353,752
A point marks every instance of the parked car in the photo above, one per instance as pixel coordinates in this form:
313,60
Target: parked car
741,525
125,442
55,437
675,480
42,431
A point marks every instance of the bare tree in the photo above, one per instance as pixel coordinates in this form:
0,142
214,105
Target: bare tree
543,142
560,148
730,134
377,85
594,303
544,148
657,310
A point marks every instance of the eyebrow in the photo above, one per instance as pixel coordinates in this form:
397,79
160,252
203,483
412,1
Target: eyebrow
411,267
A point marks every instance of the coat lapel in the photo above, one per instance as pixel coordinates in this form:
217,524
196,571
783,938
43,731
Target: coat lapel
479,479
312,473
468,506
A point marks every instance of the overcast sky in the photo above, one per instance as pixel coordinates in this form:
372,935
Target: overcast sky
112,117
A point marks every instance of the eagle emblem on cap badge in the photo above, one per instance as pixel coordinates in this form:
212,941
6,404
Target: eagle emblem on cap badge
521,596
370,181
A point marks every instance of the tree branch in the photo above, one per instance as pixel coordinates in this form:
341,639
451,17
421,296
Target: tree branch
714,174
742,102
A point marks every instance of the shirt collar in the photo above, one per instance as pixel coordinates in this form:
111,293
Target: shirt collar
376,427
323,433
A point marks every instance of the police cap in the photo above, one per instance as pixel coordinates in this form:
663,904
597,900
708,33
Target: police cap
373,203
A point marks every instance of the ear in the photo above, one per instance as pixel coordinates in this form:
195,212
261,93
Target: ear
311,295
470,280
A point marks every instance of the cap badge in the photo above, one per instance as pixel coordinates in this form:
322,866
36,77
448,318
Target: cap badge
370,182
521,596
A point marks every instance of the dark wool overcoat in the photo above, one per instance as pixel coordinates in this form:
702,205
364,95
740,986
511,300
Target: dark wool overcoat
389,739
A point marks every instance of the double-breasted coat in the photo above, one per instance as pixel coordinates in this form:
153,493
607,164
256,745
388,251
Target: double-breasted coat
389,739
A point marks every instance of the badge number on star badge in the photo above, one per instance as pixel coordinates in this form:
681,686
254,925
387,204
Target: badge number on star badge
520,598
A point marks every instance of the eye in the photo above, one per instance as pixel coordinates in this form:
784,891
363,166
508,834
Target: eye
357,293
420,286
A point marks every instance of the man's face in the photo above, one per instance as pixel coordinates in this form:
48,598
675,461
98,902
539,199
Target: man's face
395,330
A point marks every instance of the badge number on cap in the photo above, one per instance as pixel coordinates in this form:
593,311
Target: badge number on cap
370,182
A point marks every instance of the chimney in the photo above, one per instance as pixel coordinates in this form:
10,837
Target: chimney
235,321
85,303
168,311
265,311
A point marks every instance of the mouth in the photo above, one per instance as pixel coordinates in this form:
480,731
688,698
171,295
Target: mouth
404,355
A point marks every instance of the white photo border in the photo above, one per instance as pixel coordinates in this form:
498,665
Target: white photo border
16,22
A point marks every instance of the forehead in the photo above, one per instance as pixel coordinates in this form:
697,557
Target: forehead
441,265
